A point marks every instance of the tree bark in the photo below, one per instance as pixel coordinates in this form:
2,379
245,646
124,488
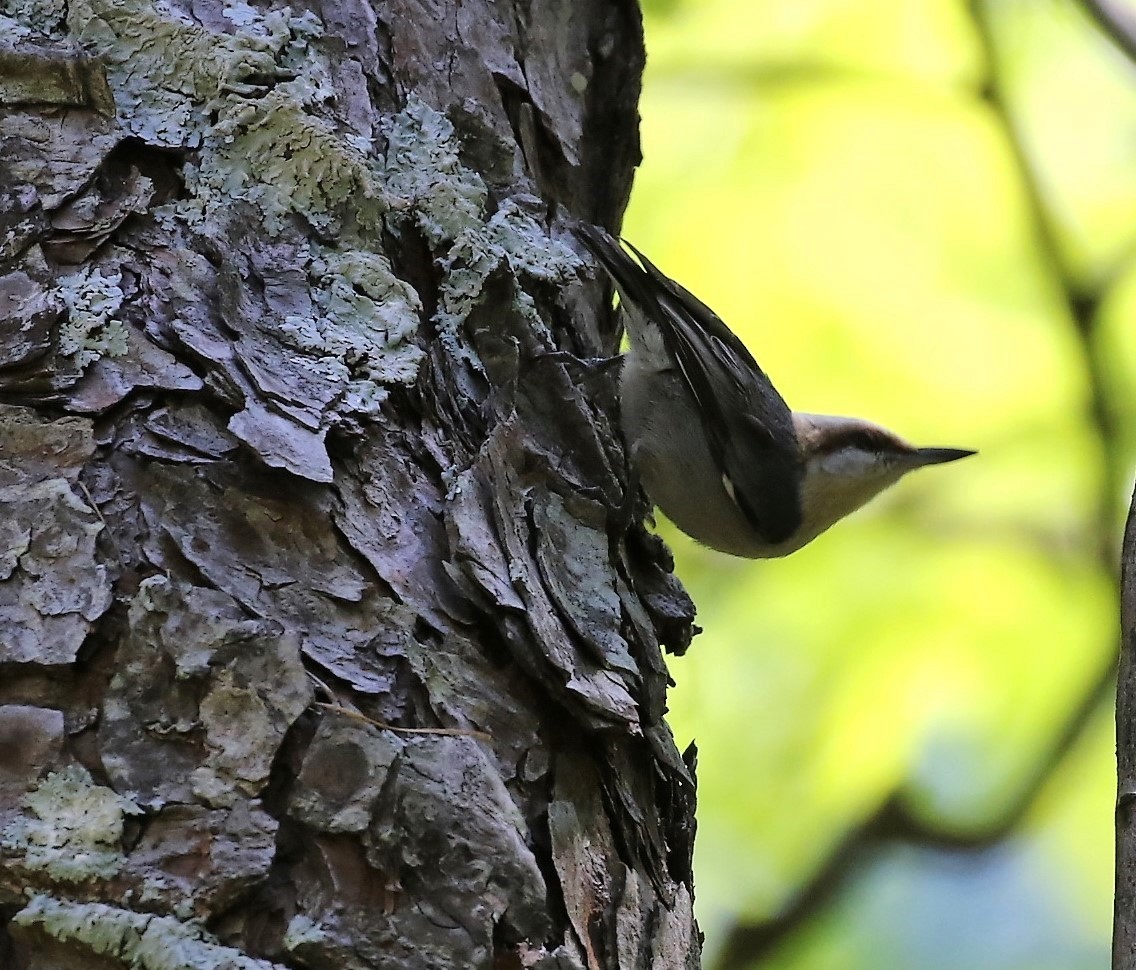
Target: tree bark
1124,914
325,640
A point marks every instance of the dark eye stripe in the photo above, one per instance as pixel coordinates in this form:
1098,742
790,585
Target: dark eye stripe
864,439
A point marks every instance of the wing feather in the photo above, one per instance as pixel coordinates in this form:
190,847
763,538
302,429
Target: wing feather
747,423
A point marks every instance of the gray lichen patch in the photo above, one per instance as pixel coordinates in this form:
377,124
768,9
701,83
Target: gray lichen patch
167,69
358,323
271,142
70,829
140,941
511,237
34,19
428,186
252,94
276,155
426,182
92,328
368,316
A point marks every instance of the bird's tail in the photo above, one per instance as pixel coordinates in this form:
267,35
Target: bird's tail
630,278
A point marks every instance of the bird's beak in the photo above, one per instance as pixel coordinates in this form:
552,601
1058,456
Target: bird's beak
939,456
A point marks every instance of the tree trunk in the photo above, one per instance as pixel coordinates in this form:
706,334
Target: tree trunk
1124,914
324,637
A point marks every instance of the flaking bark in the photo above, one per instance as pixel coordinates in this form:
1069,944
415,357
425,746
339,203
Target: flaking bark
285,466
1124,924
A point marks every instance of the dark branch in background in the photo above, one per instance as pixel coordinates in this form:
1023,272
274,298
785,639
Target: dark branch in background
1119,25
893,823
1082,305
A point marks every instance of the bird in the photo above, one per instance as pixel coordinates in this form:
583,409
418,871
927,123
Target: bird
711,440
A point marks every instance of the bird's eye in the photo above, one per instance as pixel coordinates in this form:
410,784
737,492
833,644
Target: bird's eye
862,441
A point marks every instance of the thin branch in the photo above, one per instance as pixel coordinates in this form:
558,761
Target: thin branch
894,824
384,726
340,704
1117,24
1083,307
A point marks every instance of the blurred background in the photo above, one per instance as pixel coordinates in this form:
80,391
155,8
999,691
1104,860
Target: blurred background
921,212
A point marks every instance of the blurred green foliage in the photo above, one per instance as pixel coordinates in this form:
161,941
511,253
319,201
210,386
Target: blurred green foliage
922,213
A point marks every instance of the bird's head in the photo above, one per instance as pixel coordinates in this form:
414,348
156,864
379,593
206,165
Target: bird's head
848,461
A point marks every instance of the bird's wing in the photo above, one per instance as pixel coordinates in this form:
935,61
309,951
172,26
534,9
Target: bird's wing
747,423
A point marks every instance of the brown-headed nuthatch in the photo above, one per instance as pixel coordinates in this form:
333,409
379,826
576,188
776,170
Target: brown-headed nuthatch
715,445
